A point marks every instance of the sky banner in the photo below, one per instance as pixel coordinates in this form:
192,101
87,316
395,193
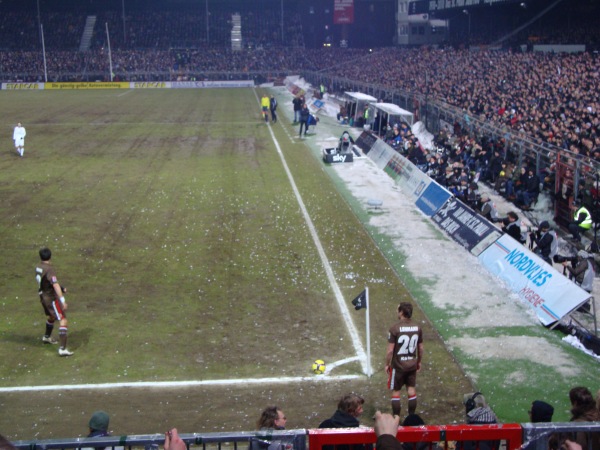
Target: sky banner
343,12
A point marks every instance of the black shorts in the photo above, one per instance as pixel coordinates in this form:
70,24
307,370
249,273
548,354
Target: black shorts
398,378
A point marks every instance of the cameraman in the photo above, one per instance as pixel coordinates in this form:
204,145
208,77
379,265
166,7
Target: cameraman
546,242
512,227
583,273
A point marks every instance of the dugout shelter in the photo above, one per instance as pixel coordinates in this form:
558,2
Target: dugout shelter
356,103
382,114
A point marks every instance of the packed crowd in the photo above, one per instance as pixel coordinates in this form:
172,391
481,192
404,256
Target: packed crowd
548,98
151,29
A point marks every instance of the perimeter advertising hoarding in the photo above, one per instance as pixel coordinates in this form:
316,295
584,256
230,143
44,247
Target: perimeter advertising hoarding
466,227
432,198
343,12
549,293
366,141
88,85
409,177
380,154
22,86
211,84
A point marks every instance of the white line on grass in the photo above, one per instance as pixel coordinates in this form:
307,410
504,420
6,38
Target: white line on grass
361,355
358,347
331,366
176,384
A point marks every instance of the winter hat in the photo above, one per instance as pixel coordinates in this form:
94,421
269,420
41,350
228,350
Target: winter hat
99,421
541,412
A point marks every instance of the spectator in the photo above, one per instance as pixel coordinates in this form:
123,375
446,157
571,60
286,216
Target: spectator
478,413
512,227
5,444
173,441
477,410
540,412
488,209
271,418
349,409
515,183
583,409
98,424
583,273
546,242
530,190
414,420
386,430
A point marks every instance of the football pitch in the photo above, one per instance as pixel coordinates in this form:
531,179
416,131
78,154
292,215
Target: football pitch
193,240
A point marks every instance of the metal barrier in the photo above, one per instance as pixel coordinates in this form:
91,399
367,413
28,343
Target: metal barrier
544,436
289,439
526,436
444,435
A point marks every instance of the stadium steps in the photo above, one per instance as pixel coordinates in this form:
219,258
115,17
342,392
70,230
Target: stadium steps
88,32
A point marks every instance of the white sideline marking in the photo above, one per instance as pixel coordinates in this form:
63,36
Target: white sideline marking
175,384
358,347
125,93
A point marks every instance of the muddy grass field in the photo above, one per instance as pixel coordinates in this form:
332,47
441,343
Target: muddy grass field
186,257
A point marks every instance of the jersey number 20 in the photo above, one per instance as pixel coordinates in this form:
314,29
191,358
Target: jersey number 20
408,344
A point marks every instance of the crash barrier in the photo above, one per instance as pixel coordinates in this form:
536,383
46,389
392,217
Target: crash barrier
446,436
550,294
508,437
244,440
544,436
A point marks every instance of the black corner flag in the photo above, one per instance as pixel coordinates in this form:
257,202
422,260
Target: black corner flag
360,301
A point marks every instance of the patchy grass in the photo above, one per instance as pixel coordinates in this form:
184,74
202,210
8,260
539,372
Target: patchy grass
176,231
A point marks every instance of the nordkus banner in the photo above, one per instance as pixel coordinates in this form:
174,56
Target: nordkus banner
551,295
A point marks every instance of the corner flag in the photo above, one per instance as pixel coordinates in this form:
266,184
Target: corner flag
360,301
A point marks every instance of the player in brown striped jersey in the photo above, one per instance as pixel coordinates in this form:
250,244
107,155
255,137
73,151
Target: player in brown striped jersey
53,301
403,357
